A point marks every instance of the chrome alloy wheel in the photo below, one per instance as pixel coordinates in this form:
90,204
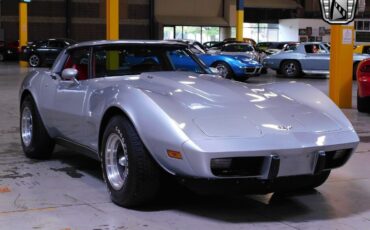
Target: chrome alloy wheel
116,161
222,69
34,60
290,68
26,126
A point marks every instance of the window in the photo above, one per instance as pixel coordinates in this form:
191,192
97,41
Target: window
197,33
192,33
210,34
168,32
182,61
315,49
56,44
261,32
237,48
133,60
79,60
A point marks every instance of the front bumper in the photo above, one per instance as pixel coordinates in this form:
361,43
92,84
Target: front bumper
286,159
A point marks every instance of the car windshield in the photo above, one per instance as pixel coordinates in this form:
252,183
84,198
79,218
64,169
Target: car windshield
132,60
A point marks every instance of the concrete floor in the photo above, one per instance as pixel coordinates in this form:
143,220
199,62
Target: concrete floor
67,192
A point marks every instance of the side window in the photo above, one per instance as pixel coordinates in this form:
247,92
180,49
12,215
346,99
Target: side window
181,61
121,60
43,44
313,49
79,59
228,48
56,44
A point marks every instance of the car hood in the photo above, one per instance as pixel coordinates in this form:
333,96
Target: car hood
224,108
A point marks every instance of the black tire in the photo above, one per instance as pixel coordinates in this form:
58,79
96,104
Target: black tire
34,60
2,57
363,104
354,74
39,145
223,66
302,183
141,182
291,69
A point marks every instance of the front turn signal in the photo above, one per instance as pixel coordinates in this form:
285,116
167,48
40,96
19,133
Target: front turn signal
174,154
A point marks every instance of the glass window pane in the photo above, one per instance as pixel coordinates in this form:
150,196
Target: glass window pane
168,32
179,33
251,33
210,34
192,33
366,25
360,25
233,32
182,61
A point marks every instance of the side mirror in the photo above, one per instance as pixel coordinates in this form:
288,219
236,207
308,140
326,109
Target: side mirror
214,70
70,74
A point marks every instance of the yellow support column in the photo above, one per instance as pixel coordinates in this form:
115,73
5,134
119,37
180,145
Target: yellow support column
23,28
341,65
112,15
239,19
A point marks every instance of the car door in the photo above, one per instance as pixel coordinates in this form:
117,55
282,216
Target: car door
316,59
70,97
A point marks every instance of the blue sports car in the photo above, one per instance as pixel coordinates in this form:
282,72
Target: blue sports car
236,67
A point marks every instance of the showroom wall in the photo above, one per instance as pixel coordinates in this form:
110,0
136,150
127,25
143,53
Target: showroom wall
290,29
77,19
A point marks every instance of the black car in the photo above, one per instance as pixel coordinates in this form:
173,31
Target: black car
44,52
9,51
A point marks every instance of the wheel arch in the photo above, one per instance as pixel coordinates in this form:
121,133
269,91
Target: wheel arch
108,115
24,94
289,59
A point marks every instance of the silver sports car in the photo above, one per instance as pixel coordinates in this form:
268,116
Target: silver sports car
143,113
305,58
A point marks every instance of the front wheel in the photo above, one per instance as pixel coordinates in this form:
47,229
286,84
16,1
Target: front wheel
2,57
131,175
224,70
291,69
36,142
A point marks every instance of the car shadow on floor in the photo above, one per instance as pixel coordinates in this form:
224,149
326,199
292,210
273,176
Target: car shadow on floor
327,203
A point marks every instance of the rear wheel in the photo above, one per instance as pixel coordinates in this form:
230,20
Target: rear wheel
291,68
363,104
130,173
34,60
2,58
36,142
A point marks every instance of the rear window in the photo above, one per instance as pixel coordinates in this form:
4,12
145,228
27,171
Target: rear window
238,48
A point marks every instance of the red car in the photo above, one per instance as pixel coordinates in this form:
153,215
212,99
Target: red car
363,93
